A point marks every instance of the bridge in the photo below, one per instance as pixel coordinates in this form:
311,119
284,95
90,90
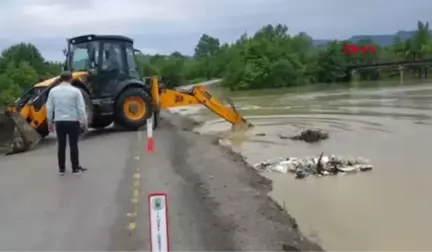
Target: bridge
353,70
403,63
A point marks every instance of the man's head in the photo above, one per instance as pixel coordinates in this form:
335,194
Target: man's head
66,76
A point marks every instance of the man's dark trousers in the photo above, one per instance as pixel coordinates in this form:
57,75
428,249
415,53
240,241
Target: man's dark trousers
70,129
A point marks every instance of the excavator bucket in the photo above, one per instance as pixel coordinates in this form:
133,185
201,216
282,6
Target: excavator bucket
16,135
243,125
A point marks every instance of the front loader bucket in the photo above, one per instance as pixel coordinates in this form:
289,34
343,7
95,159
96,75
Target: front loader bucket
16,135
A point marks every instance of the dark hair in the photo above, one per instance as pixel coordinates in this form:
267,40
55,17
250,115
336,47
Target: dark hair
66,76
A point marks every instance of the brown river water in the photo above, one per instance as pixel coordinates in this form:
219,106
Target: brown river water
386,209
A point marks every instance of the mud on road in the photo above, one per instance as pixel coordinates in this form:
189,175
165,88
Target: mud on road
240,215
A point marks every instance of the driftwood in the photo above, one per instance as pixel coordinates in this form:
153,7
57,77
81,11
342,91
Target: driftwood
309,136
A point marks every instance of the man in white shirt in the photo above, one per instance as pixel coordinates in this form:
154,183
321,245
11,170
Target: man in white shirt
66,114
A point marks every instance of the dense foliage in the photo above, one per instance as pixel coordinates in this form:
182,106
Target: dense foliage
21,66
270,58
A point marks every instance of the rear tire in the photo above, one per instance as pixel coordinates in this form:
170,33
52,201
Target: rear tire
101,122
133,108
88,105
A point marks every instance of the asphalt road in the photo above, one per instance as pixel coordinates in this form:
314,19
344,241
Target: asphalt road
215,203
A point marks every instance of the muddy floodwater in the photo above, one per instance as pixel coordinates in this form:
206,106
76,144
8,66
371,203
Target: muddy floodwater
386,209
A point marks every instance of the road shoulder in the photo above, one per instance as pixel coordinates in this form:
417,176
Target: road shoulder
233,193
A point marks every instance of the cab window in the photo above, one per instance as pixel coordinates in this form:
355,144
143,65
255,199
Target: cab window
130,57
80,58
111,57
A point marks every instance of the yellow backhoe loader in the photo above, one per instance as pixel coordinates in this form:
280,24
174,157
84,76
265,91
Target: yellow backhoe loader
105,70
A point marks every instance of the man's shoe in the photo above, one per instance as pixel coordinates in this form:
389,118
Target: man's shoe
62,173
76,171
82,169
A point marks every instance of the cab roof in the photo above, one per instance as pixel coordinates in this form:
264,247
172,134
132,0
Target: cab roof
94,37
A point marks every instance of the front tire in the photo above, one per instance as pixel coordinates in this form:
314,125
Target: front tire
133,108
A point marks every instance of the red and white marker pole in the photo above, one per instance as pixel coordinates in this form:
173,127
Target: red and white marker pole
150,140
158,222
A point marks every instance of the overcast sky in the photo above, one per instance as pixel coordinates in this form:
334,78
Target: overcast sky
167,25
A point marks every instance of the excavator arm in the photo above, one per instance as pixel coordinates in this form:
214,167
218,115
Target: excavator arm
169,98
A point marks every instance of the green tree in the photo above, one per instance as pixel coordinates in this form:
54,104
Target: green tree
207,46
22,66
22,52
332,64
24,75
172,72
9,90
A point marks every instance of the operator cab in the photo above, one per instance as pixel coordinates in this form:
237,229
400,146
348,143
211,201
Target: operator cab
102,53
109,59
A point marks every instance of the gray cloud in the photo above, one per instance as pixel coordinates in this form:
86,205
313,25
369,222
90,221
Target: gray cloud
167,25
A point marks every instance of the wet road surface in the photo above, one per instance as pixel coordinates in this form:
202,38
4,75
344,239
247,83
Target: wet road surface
42,211
215,203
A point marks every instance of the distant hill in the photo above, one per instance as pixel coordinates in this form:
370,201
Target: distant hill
383,40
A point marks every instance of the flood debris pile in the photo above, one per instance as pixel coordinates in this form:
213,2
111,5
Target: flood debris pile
309,136
320,166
